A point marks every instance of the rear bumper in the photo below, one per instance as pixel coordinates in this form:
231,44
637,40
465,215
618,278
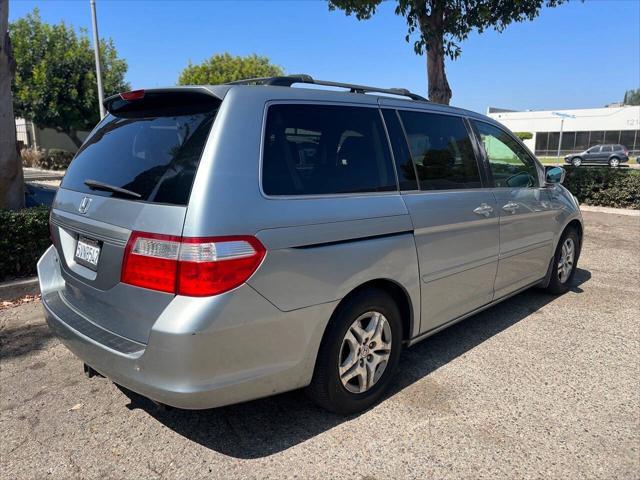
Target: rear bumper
202,352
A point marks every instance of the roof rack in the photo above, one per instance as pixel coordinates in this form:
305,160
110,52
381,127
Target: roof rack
288,80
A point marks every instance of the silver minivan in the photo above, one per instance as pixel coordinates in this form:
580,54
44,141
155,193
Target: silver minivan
217,244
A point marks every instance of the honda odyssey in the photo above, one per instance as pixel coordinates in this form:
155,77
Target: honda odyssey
217,244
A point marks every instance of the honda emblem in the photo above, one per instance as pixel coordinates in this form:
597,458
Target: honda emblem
84,205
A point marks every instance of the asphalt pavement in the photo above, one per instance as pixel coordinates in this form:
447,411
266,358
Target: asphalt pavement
537,387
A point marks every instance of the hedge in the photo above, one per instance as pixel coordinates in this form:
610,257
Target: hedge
24,236
53,159
604,187
56,159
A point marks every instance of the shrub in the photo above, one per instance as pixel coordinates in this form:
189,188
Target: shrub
31,157
524,135
605,187
56,159
24,236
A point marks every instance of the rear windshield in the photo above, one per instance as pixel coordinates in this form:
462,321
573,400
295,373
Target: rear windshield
155,156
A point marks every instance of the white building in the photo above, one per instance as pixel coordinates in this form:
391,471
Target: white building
581,128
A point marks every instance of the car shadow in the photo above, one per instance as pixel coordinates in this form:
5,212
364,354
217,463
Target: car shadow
267,426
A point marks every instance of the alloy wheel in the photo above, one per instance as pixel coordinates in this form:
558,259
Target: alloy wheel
364,353
567,256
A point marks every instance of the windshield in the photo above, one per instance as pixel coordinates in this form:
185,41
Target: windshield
155,157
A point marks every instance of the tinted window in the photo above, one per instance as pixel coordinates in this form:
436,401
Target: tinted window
568,140
607,148
322,149
441,150
596,138
595,149
401,154
542,138
582,140
156,156
627,138
618,148
612,136
511,165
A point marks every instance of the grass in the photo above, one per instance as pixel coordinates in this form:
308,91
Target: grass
551,160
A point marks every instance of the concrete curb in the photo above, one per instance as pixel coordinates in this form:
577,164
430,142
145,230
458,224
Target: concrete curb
19,288
616,211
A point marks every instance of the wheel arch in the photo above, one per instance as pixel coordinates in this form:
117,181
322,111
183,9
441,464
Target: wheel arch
396,291
577,226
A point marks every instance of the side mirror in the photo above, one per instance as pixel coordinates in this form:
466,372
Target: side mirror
554,175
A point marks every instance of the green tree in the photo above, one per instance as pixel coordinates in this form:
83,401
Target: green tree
55,81
632,97
222,68
11,179
441,25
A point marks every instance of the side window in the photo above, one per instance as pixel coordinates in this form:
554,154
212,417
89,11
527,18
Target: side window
607,149
441,151
511,165
595,149
401,154
324,149
618,148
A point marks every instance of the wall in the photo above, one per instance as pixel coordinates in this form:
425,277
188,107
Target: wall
45,138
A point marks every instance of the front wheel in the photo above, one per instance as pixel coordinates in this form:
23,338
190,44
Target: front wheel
576,161
565,261
359,353
614,162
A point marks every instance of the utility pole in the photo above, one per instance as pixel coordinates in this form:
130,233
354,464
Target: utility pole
96,50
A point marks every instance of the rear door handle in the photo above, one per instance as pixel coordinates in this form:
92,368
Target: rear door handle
510,207
483,209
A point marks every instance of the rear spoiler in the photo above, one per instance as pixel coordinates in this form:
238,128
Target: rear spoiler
162,101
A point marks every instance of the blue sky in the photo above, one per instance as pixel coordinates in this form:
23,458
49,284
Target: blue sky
578,55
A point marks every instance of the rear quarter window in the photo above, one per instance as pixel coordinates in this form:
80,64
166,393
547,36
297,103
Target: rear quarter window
325,149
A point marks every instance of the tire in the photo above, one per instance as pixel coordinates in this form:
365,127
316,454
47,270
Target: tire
576,161
561,278
327,388
614,162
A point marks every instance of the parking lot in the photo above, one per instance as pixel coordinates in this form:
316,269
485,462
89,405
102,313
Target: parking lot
537,387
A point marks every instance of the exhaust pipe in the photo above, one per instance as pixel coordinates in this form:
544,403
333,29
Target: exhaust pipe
90,372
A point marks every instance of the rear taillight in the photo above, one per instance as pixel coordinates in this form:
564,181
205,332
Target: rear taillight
190,266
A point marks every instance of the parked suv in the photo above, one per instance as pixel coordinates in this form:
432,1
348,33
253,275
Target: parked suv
613,155
217,244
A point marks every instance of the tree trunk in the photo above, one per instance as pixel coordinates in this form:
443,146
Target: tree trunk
11,176
431,27
439,91
72,133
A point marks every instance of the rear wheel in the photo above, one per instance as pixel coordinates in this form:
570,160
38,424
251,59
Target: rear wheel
614,162
359,353
576,161
564,262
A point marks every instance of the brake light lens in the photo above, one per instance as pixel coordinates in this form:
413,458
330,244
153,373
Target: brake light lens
132,95
190,266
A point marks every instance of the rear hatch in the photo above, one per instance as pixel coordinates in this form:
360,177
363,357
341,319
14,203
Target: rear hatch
134,173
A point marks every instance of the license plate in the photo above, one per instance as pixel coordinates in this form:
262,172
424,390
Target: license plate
87,253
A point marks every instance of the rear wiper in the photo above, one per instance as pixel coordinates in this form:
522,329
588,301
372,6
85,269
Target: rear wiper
96,185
